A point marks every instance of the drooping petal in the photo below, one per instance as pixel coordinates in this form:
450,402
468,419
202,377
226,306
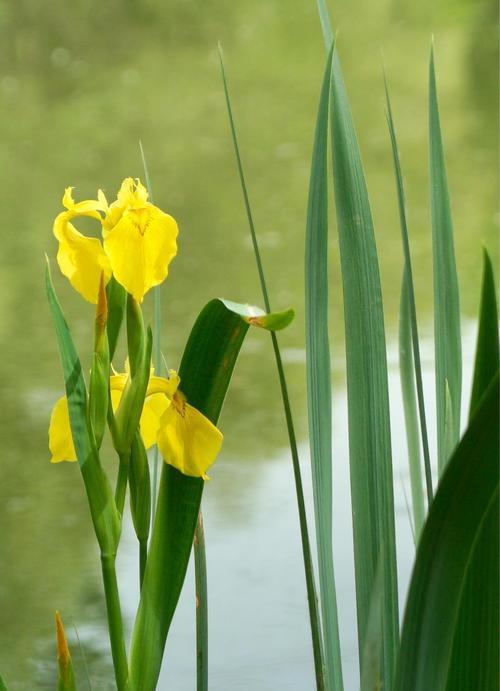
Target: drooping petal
187,439
154,407
82,260
162,385
60,439
140,248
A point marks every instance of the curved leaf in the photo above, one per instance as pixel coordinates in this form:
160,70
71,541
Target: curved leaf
206,368
487,350
466,495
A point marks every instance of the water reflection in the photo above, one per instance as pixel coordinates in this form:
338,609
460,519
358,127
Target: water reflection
75,98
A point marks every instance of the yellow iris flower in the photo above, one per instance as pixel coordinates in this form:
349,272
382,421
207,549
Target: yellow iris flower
186,438
139,242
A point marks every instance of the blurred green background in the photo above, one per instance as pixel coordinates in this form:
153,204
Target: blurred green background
80,84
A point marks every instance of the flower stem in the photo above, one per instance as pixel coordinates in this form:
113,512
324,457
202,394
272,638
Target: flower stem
115,623
200,564
121,482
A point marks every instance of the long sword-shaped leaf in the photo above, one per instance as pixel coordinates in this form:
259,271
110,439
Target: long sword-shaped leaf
319,388
367,387
304,532
487,350
475,663
410,408
448,346
462,509
106,521
410,312
205,371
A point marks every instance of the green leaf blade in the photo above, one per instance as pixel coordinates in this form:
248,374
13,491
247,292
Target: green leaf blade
487,358
409,332
105,518
448,347
410,408
367,387
318,368
206,368
468,491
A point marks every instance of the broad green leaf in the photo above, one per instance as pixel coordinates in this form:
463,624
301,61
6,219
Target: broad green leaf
408,342
257,317
460,522
2,685
410,408
448,347
475,661
367,388
312,599
205,371
105,517
66,680
487,356
319,387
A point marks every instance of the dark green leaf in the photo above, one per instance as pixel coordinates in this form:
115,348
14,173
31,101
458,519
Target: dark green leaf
457,530
487,356
205,371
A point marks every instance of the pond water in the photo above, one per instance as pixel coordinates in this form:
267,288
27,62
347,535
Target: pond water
79,86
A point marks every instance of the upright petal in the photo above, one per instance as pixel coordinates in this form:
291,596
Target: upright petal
60,439
140,248
187,439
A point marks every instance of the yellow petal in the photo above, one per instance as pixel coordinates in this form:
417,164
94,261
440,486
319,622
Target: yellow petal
140,247
117,384
154,407
187,439
60,440
162,385
81,259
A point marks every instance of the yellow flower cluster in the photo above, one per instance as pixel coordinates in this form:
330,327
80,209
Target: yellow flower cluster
186,438
139,242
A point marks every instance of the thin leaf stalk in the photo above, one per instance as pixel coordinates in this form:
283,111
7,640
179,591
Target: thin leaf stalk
306,550
200,569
